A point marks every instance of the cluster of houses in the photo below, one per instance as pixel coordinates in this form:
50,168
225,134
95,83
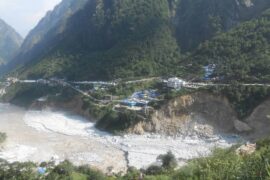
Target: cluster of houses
143,98
175,83
140,98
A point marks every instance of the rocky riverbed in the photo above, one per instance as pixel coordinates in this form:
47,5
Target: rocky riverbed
44,135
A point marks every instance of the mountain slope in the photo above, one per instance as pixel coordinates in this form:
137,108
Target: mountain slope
111,39
241,54
40,39
53,23
200,20
10,42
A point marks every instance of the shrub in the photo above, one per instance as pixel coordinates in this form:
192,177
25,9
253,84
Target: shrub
90,173
154,170
168,161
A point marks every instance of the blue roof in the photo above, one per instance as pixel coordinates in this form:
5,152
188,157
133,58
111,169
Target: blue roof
41,170
129,102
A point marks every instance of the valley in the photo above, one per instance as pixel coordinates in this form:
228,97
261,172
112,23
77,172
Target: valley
50,135
126,89
189,125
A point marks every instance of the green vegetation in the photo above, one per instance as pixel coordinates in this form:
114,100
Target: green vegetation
117,122
225,164
222,164
95,110
123,38
168,161
241,54
25,94
124,90
243,98
168,94
63,171
66,170
127,38
201,20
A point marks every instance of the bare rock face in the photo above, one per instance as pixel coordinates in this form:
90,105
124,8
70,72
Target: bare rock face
246,149
204,115
196,114
241,126
259,121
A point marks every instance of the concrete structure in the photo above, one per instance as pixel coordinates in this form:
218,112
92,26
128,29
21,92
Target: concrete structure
43,81
12,79
175,83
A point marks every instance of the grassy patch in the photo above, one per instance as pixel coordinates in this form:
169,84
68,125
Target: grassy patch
78,176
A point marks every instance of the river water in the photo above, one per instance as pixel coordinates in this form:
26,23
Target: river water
52,135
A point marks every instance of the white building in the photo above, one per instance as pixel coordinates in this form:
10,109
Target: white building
12,79
176,83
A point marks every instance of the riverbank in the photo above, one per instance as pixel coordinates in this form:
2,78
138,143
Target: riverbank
44,135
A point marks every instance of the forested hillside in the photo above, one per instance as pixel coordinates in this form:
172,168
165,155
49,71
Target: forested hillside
43,37
242,54
200,20
111,39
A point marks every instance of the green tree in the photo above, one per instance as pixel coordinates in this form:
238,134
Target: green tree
169,161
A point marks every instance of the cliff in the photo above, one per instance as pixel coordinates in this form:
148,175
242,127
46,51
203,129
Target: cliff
259,121
200,114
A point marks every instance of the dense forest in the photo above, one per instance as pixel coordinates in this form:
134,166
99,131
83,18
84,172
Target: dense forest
200,20
105,39
123,38
241,54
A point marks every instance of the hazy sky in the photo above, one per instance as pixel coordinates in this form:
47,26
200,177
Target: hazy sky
23,15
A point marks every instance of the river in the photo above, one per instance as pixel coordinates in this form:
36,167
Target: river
52,135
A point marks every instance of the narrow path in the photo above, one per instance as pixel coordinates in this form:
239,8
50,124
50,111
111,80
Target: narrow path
107,102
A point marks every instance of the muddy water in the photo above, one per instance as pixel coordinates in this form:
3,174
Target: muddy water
25,143
44,135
